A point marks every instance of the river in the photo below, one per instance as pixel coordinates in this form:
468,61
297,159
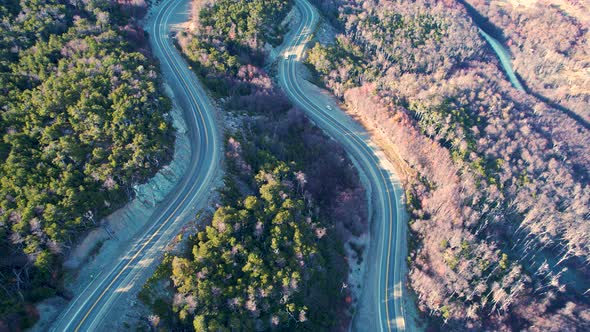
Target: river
504,57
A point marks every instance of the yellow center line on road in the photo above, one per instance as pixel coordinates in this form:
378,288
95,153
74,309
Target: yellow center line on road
362,145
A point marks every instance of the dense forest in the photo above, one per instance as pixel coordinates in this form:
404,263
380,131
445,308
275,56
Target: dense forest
498,188
82,120
272,256
549,41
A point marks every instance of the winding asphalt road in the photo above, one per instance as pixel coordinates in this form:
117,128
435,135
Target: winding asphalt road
386,262
89,309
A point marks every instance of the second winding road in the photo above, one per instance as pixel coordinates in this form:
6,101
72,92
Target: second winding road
383,308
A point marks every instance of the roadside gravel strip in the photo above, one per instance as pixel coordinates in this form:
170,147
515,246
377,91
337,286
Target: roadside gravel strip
114,286
381,307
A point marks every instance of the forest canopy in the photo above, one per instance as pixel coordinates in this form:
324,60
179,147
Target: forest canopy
258,264
82,120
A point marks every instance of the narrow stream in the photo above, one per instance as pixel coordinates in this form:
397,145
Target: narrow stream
483,24
504,57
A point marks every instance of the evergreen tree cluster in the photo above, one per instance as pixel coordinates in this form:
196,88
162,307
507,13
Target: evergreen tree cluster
254,266
82,120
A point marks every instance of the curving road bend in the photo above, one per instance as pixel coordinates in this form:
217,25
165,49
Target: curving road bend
87,312
383,289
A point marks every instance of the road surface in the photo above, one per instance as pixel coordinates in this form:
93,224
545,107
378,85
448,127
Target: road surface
88,310
385,278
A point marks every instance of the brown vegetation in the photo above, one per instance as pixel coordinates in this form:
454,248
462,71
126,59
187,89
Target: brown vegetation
500,229
550,47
